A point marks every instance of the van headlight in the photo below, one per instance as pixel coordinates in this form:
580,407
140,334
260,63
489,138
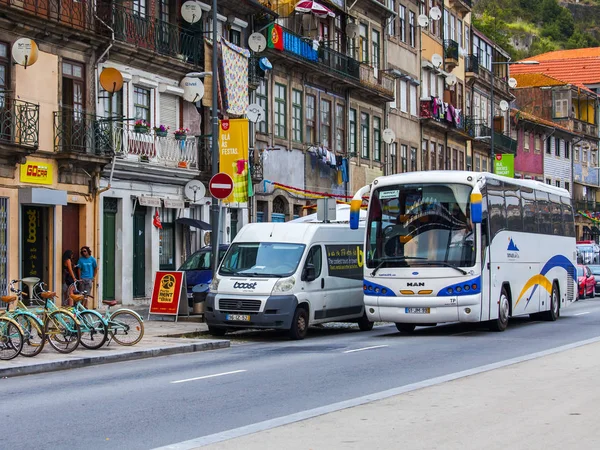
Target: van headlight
214,284
284,285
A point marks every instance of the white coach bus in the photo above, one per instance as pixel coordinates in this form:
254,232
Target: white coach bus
454,246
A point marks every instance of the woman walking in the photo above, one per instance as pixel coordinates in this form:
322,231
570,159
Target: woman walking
68,277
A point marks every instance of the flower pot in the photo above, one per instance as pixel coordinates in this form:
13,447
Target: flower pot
182,164
140,129
144,159
180,137
161,133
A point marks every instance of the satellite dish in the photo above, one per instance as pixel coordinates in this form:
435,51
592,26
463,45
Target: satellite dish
111,80
191,12
25,52
194,191
388,135
435,13
193,89
257,42
437,60
423,21
451,80
352,30
512,83
504,105
255,113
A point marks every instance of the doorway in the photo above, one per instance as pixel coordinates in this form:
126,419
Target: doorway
139,252
109,233
73,106
70,230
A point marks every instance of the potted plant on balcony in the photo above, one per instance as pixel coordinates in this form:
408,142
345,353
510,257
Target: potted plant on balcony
181,134
141,126
161,131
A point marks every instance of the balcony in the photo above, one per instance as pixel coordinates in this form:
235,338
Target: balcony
583,127
463,7
155,150
479,130
589,206
500,83
471,66
67,13
19,124
255,73
80,133
154,35
256,166
383,82
450,54
205,155
449,119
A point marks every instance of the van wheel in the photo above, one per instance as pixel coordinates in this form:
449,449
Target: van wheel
405,327
299,324
552,314
501,322
364,323
217,331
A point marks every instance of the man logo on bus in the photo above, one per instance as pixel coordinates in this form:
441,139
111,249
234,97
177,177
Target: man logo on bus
512,250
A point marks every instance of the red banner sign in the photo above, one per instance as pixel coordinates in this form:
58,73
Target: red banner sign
167,293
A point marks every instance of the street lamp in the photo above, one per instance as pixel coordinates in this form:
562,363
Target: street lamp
215,210
499,63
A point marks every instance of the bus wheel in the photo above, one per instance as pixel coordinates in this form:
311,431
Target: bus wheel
552,314
364,323
299,324
501,322
405,327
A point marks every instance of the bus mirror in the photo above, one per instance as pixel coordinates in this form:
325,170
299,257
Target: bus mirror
476,212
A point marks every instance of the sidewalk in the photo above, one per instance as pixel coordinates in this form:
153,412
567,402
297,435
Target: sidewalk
161,338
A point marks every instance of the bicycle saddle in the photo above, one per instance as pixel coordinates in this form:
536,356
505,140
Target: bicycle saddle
77,297
9,298
109,302
47,295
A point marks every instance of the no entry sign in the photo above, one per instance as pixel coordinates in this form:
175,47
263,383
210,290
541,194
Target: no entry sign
220,186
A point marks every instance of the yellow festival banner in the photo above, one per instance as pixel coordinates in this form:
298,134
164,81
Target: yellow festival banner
233,156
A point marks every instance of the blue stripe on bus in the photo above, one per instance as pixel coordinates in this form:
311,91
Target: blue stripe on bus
468,287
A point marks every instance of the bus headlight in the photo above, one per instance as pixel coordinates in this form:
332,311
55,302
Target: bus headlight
214,284
284,285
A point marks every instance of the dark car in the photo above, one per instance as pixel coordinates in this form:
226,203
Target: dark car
585,281
596,273
198,270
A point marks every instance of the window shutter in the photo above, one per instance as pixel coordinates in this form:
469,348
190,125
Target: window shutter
169,111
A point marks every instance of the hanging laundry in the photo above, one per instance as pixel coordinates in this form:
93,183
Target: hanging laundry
345,170
234,61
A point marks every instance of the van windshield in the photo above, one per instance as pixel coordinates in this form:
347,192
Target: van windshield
259,259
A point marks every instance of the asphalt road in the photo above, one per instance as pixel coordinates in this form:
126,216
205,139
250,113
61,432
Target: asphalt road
160,401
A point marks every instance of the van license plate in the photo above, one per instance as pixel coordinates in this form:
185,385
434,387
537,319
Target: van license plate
237,317
416,310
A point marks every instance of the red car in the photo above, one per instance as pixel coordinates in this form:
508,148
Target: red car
585,281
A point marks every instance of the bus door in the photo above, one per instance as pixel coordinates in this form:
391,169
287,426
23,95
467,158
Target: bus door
486,284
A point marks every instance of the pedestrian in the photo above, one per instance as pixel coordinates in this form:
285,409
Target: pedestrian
88,270
68,277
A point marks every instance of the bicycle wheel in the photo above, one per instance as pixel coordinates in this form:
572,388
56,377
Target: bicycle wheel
94,331
126,328
33,333
11,339
62,331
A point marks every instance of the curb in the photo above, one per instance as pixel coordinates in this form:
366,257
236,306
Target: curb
52,366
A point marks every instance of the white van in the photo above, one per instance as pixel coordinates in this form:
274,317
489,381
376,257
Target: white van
289,276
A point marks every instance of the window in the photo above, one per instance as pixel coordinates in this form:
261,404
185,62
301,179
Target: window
402,20
459,34
454,159
432,156
403,97
393,167
544,215
411,25
477,163
376,138
424,83
280,119
529,210
235,36
413,100
557,183
311,130
584,156
440,157
561,103
424,159
549,181
363,42
567,214
448,161
262,99
567,186
403,157
392,25
538,144
567,150
141,103
315,258
364,135
549,143
461,160
353,130
514,217
376,44
297,115
576,152
496,207
446,24
139,8
340,129
325,125
526,142
467,39
413,159
557,143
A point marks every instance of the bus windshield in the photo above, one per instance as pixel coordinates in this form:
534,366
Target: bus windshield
416,225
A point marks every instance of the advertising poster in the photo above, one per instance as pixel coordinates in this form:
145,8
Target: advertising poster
169,294
233,159
504,165
345,261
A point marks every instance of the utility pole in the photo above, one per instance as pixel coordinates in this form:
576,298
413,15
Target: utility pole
215,210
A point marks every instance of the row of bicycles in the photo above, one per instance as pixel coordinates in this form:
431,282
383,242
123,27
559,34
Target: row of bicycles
24,330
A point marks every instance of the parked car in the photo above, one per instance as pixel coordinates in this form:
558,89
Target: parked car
198,270
588,252
596,273
585,281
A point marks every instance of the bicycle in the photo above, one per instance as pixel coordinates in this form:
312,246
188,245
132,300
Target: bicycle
11,339
94,328
31,325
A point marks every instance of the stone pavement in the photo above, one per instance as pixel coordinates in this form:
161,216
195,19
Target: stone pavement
161,338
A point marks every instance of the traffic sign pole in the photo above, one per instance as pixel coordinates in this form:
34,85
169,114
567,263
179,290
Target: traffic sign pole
220,186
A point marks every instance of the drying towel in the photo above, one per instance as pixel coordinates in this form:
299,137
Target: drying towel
235,70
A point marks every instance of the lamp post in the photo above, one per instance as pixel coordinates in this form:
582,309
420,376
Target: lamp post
215,210
499,63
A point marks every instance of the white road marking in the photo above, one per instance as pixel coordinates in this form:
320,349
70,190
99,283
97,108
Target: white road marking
581,313
365,348
303,415
208,376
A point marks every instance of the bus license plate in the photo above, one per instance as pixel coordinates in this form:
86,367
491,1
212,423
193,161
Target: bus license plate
416,310
237,317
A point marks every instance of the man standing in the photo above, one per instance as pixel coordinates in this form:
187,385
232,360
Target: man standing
88,269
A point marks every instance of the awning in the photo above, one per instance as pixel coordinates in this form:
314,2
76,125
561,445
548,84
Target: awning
195,223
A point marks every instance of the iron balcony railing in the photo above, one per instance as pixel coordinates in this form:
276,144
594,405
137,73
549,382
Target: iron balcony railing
476,128
450,117
158,36
256,166
255,73
205,153
19,122
450,49
76,131
383,82
590,206
70,13
472,64
154,149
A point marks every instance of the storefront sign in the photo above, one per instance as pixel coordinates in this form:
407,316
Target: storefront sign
504,165
169,295
36,173
149,201
233,160
345,261
32,241
173,203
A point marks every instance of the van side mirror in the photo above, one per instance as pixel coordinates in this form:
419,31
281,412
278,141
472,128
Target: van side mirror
310,273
